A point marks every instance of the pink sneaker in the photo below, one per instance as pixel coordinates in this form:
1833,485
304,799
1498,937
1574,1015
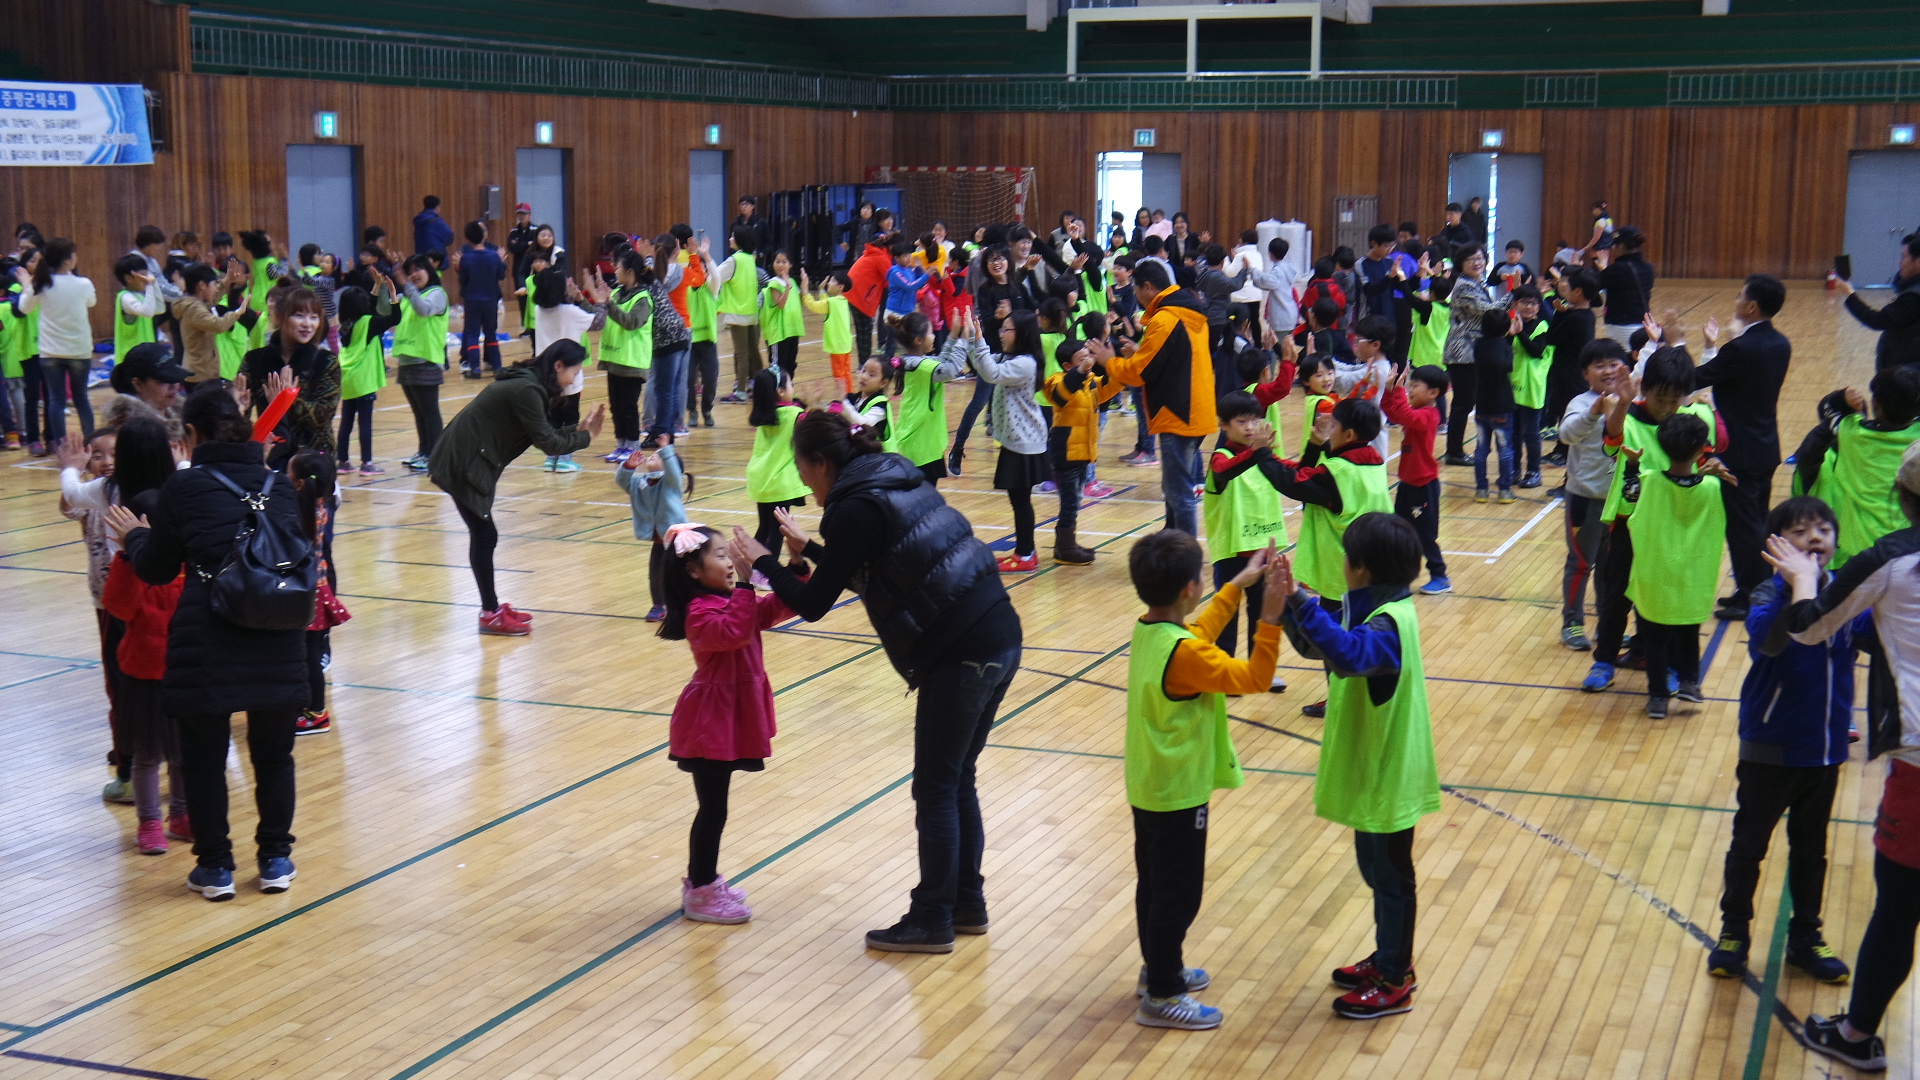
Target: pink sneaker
714,902
180,827
1096,490
152,838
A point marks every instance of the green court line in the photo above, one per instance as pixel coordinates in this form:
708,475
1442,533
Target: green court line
655,927
220,947
1763,1016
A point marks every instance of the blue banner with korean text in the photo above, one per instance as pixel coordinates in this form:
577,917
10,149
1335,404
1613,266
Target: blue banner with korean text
73,124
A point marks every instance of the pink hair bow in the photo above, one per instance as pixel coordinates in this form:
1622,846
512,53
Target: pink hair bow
686,538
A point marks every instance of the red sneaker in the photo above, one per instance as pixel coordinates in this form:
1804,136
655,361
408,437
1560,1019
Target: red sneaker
500,623
313,723
152,839
1019,564
1376,999
1354,976
180,828
516,615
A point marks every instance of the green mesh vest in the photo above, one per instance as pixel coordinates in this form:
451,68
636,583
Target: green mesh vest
1677,535
1244,515
1320,561
1179,751
1377,771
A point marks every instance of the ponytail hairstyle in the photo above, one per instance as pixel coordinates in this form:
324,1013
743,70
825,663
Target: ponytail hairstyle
563,353
930,247
633,260
910,328
769,386
676,581
351,304
1026,335
314,476
214,416
142,458
1091,268
829,438
52,257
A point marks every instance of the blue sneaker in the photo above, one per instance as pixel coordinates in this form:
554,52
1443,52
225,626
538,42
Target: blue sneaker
1673,683
1599,677
1437,586
1181,1012
212,882
276,875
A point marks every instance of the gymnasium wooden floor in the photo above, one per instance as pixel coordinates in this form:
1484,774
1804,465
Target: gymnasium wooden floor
492,836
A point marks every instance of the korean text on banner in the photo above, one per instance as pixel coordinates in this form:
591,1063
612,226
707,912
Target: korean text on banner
73,124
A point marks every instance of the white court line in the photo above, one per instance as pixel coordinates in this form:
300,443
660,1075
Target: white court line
1494,555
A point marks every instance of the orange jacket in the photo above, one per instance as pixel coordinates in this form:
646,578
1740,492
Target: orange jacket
1174,365
1079,412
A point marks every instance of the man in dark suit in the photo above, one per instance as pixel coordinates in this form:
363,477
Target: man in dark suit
1899,321
1745,375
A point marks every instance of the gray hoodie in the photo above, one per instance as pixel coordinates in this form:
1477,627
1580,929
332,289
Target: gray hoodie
1589,466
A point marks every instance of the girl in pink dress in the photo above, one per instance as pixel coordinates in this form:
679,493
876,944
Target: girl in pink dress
723,722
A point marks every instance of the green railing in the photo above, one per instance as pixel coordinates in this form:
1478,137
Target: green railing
248,46
241,45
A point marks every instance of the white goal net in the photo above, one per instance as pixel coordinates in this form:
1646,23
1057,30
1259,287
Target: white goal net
962,196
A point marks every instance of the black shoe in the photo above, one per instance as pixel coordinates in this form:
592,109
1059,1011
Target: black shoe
1823,1037
1657,708
1728,960
1317,710
1531,480
707,421
1634,659
970,922
1811,954
1458,459
1557,459
904,936
470,374
1731,612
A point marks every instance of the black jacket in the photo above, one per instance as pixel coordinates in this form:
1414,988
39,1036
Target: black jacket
1898,323
1493,383
930,587
309,422
213,666
1746,375
1628,281
1179,251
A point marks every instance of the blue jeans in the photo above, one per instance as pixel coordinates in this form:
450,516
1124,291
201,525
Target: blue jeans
952,718
59,372
1526,437
480,333
1179,474
667,388
982,397
1493,429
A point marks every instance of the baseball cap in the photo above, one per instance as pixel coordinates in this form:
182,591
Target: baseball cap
523,208
148,361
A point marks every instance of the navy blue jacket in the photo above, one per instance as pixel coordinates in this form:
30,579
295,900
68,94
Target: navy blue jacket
481,271
1797,701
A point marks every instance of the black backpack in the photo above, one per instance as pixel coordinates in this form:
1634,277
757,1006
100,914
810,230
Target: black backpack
270,579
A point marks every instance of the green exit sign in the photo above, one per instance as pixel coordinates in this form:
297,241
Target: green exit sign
1146,136
713,134
326,125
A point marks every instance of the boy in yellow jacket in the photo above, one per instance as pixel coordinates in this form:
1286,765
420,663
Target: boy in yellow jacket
1076,392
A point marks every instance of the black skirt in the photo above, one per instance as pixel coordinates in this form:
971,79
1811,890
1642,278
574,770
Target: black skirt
700,766
1020,472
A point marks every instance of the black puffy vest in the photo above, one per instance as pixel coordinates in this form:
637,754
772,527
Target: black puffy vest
933,561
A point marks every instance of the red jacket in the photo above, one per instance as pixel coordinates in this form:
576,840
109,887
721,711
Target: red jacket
1417,429
726,712
147,610
869,277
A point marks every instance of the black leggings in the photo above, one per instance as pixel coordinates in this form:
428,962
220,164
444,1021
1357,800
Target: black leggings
1022,500
319,645
1886,952
361,408
786,354
769,531
703,378
482,538
656,573
623,404
425,401
703,842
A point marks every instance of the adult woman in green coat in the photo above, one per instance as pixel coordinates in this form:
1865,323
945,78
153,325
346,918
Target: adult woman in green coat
509,416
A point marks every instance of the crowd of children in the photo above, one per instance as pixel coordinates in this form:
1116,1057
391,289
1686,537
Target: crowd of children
1059,335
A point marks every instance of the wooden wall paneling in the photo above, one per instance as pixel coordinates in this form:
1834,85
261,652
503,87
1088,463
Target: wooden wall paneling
99,41
1816,182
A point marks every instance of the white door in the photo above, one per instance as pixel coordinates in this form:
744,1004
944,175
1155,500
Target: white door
323,200
707,209
1117,189
540,181
1883,205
